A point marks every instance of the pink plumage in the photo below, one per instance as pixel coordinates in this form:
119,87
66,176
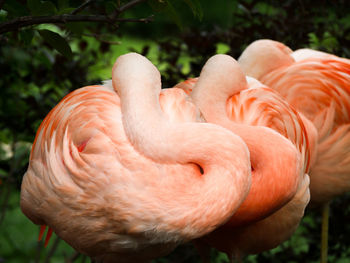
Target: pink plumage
125,172
225,97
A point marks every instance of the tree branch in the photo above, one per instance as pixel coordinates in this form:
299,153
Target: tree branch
62,19
52,250
129,5
100,38
81,7
126,7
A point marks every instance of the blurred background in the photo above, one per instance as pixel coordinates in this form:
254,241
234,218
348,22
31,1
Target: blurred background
40,63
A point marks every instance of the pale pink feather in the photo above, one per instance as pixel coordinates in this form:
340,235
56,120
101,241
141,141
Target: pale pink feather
119,179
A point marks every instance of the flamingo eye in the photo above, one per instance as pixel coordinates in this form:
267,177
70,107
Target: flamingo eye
200,168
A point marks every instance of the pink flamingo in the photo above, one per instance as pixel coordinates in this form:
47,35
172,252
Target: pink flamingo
122,179
221,93
317,85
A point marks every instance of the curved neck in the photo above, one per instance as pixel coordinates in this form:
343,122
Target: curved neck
211,147
270,152
210,94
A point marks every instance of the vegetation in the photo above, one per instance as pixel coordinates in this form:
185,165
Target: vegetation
49,48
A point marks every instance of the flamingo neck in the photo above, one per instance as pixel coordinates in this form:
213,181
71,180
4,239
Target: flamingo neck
270,152
198,206
211,92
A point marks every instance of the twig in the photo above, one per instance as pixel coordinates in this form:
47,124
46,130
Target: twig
39,248
81,7
52,250
125,7
100,38
5,203
129,5
62,19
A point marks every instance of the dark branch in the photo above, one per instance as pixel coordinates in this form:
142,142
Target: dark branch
129,5
100,38
81,7
126,7
52,250
62,19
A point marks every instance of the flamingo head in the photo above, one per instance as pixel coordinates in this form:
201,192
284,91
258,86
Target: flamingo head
263,56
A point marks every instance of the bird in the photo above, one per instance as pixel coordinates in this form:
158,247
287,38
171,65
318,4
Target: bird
317,85
122,176
280,155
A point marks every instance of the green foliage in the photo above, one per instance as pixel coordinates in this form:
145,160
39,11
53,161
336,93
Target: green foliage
34,77
41,8
57,42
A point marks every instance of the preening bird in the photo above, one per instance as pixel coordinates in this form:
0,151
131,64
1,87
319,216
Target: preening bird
125,172
279,152
317,84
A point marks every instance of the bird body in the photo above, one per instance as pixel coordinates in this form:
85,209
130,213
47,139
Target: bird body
122,178
317,85
279,190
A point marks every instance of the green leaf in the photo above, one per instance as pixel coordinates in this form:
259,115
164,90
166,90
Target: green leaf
67,10
195,7
14,8
38,8
110,7
57,42
26,36
33,5
222,48
173,14
76,27
62,4
313,40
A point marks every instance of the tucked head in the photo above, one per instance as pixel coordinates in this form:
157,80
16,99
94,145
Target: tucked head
263,56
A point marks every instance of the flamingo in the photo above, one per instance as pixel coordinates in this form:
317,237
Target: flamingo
221,93
317,85
124,172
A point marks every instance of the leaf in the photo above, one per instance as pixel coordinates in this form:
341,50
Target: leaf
313,40
57,42
14,8
33,5
195,7
62,4
76,27
173,14
26,36
67,10
222,48
110,7
38,8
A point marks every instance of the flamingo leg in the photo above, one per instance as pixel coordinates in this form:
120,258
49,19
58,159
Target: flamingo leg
324,233
42,231
48,236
